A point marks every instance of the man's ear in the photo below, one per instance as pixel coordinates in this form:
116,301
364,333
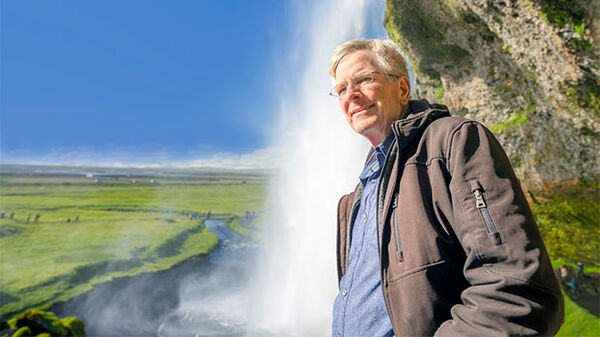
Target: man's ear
404,86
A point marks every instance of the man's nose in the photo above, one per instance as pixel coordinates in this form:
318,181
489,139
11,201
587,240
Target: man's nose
353,92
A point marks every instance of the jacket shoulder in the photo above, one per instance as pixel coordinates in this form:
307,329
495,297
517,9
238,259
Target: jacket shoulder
436,139
449,124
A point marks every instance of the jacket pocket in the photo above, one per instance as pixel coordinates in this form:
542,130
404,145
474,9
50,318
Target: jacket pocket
399,253
479,199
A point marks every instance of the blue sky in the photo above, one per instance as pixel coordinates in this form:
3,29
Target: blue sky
150,78
183,75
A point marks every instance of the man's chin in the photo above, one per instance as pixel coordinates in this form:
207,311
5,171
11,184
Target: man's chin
362,127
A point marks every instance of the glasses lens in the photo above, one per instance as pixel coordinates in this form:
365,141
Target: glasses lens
357,82
338,90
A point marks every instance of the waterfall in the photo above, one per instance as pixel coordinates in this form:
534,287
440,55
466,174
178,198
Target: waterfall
296,276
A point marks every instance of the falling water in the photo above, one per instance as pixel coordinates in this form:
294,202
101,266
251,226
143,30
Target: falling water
323,158
288,290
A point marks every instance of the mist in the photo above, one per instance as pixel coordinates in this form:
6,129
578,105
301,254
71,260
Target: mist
296,279
283,284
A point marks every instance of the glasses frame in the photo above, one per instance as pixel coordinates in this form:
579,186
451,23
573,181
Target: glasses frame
355,85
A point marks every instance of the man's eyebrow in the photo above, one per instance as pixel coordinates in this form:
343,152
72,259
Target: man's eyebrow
364,72
360,73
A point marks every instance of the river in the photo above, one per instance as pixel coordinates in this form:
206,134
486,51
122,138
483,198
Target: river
203,296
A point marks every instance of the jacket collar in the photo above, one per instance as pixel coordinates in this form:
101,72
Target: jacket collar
418,116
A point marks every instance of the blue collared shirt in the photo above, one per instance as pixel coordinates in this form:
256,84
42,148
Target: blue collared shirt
359,308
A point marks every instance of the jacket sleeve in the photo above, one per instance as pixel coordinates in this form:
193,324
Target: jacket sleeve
513,290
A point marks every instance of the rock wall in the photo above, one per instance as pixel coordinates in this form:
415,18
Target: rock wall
527,69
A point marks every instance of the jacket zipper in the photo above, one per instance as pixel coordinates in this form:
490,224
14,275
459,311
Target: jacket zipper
399,253
491,227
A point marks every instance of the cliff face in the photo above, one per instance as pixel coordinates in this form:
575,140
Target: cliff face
527,69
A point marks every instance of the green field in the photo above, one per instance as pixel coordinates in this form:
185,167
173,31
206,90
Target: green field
125,228
90,232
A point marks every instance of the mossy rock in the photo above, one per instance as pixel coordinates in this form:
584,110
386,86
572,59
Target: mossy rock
44,324
40,322
22,332
12,323
74,326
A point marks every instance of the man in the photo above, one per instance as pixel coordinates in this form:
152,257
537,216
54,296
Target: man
437,238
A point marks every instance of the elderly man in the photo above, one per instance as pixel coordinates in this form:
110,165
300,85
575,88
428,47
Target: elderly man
437,238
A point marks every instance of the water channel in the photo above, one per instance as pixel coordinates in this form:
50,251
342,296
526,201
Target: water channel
203,296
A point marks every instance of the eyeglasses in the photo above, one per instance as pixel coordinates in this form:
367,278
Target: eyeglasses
358,81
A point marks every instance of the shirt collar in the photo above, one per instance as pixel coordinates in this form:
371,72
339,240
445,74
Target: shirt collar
376,160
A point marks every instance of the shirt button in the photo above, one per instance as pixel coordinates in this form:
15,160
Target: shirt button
338,335
344,292
357,253
364,215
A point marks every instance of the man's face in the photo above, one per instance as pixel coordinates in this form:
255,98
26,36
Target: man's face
370,109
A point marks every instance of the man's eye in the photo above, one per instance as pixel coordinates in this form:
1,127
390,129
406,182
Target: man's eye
363,80
341,91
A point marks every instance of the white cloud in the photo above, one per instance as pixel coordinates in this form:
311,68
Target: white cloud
266,158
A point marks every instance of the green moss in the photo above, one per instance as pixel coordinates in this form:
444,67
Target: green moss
568,216
439,93
40,322
44,323
74,326
563,13
585,95
517,119
512,121
418,31
22,332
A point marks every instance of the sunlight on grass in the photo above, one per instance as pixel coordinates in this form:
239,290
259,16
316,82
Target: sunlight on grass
90,232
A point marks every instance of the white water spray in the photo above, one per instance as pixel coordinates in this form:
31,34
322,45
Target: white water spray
323,158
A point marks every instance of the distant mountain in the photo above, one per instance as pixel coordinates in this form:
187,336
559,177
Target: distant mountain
527,69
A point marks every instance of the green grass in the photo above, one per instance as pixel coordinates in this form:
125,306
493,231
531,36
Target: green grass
252,229
578,322
123,229
568,215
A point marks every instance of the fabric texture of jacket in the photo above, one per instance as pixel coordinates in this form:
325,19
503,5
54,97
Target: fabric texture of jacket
460,252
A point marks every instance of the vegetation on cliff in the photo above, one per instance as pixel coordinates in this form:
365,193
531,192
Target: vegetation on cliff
528,69
567,215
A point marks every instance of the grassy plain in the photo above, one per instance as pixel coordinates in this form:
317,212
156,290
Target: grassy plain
90,232
127,228
568,216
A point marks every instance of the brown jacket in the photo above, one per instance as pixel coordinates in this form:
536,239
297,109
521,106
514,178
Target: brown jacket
460,252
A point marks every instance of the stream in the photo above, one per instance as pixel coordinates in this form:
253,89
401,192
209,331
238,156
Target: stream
202,296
